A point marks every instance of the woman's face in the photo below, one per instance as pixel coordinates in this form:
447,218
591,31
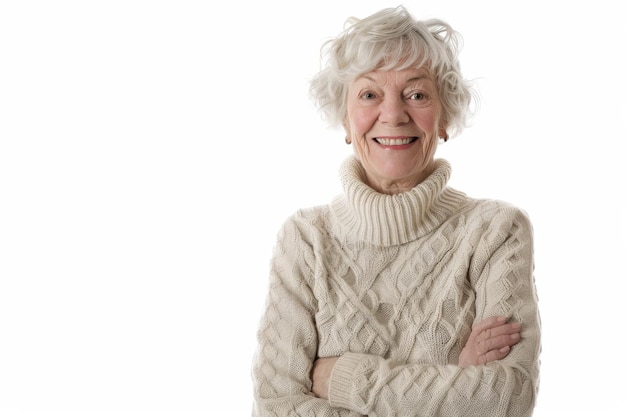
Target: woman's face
393,119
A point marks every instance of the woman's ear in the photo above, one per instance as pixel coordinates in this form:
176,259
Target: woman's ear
443,134
347,130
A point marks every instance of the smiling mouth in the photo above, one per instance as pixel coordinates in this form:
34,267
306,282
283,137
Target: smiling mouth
396,141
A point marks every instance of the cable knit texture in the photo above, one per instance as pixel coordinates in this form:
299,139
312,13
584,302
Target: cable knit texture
393,284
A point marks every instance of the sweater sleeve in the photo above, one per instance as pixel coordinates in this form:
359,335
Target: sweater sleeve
287,337
501,273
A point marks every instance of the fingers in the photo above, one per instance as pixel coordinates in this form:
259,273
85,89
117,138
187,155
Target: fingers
496,343
495,328
491,339
493,355
491,323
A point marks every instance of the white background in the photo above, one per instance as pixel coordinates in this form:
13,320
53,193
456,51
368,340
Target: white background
150,150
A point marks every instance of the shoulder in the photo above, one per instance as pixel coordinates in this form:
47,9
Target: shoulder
497,217
306,223
491,210
310,217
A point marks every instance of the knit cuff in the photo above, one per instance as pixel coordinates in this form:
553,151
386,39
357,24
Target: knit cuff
342,381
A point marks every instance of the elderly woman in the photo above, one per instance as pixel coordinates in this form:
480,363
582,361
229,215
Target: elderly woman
403,296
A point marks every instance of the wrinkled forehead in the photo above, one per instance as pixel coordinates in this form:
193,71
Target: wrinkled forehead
421,77
399,76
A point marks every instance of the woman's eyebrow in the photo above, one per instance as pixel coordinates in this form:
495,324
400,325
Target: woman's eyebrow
366,77
418,78
411,80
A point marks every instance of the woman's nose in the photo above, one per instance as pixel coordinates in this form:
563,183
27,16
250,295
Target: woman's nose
393,111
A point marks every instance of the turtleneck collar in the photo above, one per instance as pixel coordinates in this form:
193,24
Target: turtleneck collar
363,215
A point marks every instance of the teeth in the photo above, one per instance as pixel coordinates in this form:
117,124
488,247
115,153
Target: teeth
394,142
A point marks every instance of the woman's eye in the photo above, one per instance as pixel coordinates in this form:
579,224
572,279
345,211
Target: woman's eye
418,96
368,95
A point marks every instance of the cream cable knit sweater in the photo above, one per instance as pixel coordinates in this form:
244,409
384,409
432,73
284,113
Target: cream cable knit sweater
393,284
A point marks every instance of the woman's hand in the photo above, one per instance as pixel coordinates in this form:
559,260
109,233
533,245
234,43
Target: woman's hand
322,369
490,340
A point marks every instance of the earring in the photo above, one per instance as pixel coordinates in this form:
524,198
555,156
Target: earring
348,141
